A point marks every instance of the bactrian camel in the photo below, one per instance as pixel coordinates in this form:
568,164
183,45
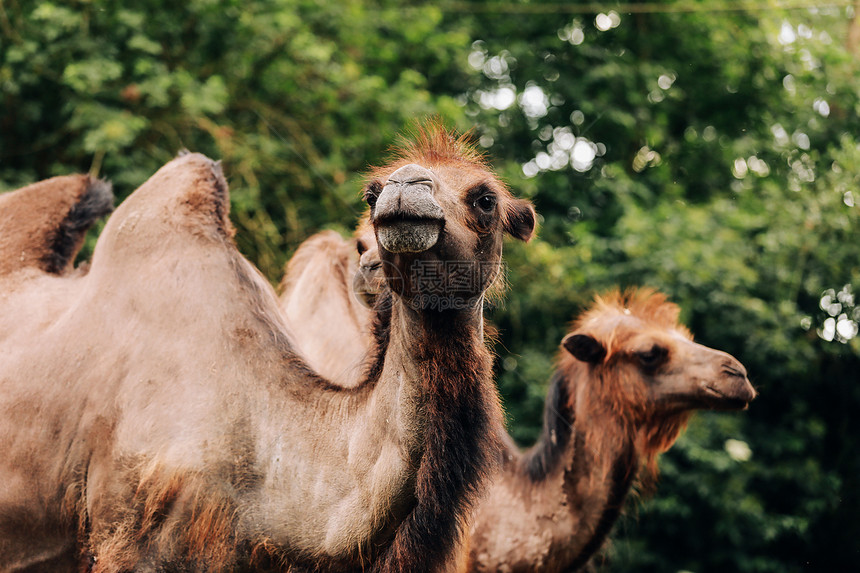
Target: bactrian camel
628,377
154,415
327,295
318,303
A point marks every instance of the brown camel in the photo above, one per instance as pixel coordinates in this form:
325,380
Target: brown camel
333,281
628,378
316,294
154,415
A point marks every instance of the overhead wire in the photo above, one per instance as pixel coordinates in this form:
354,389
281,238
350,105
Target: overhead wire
539,8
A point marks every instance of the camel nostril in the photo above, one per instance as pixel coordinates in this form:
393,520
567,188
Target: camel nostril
735,369
418,181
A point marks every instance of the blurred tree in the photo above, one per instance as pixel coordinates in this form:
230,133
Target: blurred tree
297,97
708,154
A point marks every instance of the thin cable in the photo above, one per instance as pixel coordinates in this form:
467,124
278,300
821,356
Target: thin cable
645,8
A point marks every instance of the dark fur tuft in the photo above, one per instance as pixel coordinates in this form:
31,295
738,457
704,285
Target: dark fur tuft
558,420
95,202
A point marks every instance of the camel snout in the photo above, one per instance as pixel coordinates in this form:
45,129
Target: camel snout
732,366
369,280
406,216
412,174
731,390
740,387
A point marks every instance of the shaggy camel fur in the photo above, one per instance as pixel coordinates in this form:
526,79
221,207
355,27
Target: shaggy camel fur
628,378
156,417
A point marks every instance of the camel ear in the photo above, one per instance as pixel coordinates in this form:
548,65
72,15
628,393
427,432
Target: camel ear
585,348
520,219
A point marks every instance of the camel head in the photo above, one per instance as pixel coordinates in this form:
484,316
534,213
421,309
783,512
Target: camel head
644,366
439,212
369,279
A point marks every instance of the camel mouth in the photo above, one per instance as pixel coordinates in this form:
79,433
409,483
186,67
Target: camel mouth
408,235
371,267
720,400
406,216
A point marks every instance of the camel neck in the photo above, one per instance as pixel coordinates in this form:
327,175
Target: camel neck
600,468
608,500
584,463
458,407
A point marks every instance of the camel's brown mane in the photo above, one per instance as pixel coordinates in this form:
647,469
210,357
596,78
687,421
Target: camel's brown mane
648,305
431,143
558,421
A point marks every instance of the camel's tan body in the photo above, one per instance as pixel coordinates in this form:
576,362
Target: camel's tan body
154,414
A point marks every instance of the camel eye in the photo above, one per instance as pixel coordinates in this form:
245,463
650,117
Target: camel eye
371,194
485,203
652,358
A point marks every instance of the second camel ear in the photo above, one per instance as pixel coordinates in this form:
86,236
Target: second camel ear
584,348
520,219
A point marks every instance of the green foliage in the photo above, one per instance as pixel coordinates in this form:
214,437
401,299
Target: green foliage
720,172
710,154
297,98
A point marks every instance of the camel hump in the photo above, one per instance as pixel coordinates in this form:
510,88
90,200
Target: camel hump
43,225
326,250
187,196
327,246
